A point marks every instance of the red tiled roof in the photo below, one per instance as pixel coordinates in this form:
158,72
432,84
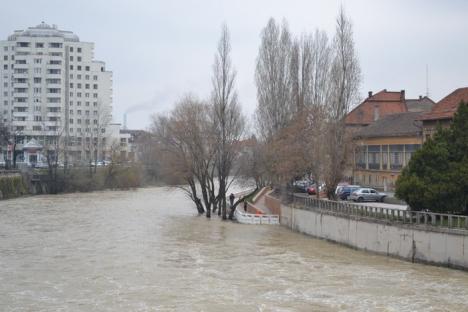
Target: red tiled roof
447,107
385,102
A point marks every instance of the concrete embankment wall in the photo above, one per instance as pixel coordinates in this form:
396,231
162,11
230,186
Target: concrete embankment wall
446,247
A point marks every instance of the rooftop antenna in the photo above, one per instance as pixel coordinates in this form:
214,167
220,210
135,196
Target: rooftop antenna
427,80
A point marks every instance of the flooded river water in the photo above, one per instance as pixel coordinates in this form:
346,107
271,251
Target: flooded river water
146,250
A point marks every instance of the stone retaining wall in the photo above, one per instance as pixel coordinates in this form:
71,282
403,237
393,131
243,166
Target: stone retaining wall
410,242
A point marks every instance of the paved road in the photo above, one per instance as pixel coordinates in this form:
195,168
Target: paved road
371,204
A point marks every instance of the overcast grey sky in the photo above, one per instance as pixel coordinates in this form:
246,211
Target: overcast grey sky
159,50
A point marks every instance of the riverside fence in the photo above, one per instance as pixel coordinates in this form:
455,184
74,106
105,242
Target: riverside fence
389,215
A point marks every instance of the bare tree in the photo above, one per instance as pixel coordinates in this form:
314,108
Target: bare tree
188,151
345,80
272,75
228,121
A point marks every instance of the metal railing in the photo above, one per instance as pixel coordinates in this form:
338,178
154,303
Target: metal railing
250,218
390,215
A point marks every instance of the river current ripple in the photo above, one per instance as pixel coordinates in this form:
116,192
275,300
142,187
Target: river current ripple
146,250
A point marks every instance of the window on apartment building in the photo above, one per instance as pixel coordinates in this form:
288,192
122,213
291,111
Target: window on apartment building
5,67
87,121
5,57
95,104
37,118
19,128
37,61
87,86
87,104
78,94
79,50
53,109
95,86
54,71
95,121
396,157
78,77
5,103
87,95
95,77
37,90
71,76
37,80
37,70
53,90
78,68
71,94
5,84
95,112
71,58
71,49
21,109
71,84
410,149
374,156
55,44
384,157
78,85
87,77
95,95
53,128
71,111
87,68
39,44
361,157
78,112
37,108
87,113
71,67
53,100
78,103
37,128
22,44
71,120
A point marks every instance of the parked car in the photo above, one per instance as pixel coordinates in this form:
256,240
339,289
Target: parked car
367,194
345,191
301,186
312,190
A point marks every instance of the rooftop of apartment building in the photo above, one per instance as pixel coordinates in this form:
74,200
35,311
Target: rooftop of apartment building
394,125
384,103
44,30
446,108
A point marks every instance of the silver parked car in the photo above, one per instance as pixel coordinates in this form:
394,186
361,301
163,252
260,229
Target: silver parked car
366,194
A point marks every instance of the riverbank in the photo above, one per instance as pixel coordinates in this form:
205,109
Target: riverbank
40,181
412,236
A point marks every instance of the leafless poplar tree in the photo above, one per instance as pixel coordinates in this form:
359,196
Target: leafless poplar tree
345,80
228,120
272,76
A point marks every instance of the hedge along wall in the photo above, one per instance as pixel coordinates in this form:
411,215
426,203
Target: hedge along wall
12,186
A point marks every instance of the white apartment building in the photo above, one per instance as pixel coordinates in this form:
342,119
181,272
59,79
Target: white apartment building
51,87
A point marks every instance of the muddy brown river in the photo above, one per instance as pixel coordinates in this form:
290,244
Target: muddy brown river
146,250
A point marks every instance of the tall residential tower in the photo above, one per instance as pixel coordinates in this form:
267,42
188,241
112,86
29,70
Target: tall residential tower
51,86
